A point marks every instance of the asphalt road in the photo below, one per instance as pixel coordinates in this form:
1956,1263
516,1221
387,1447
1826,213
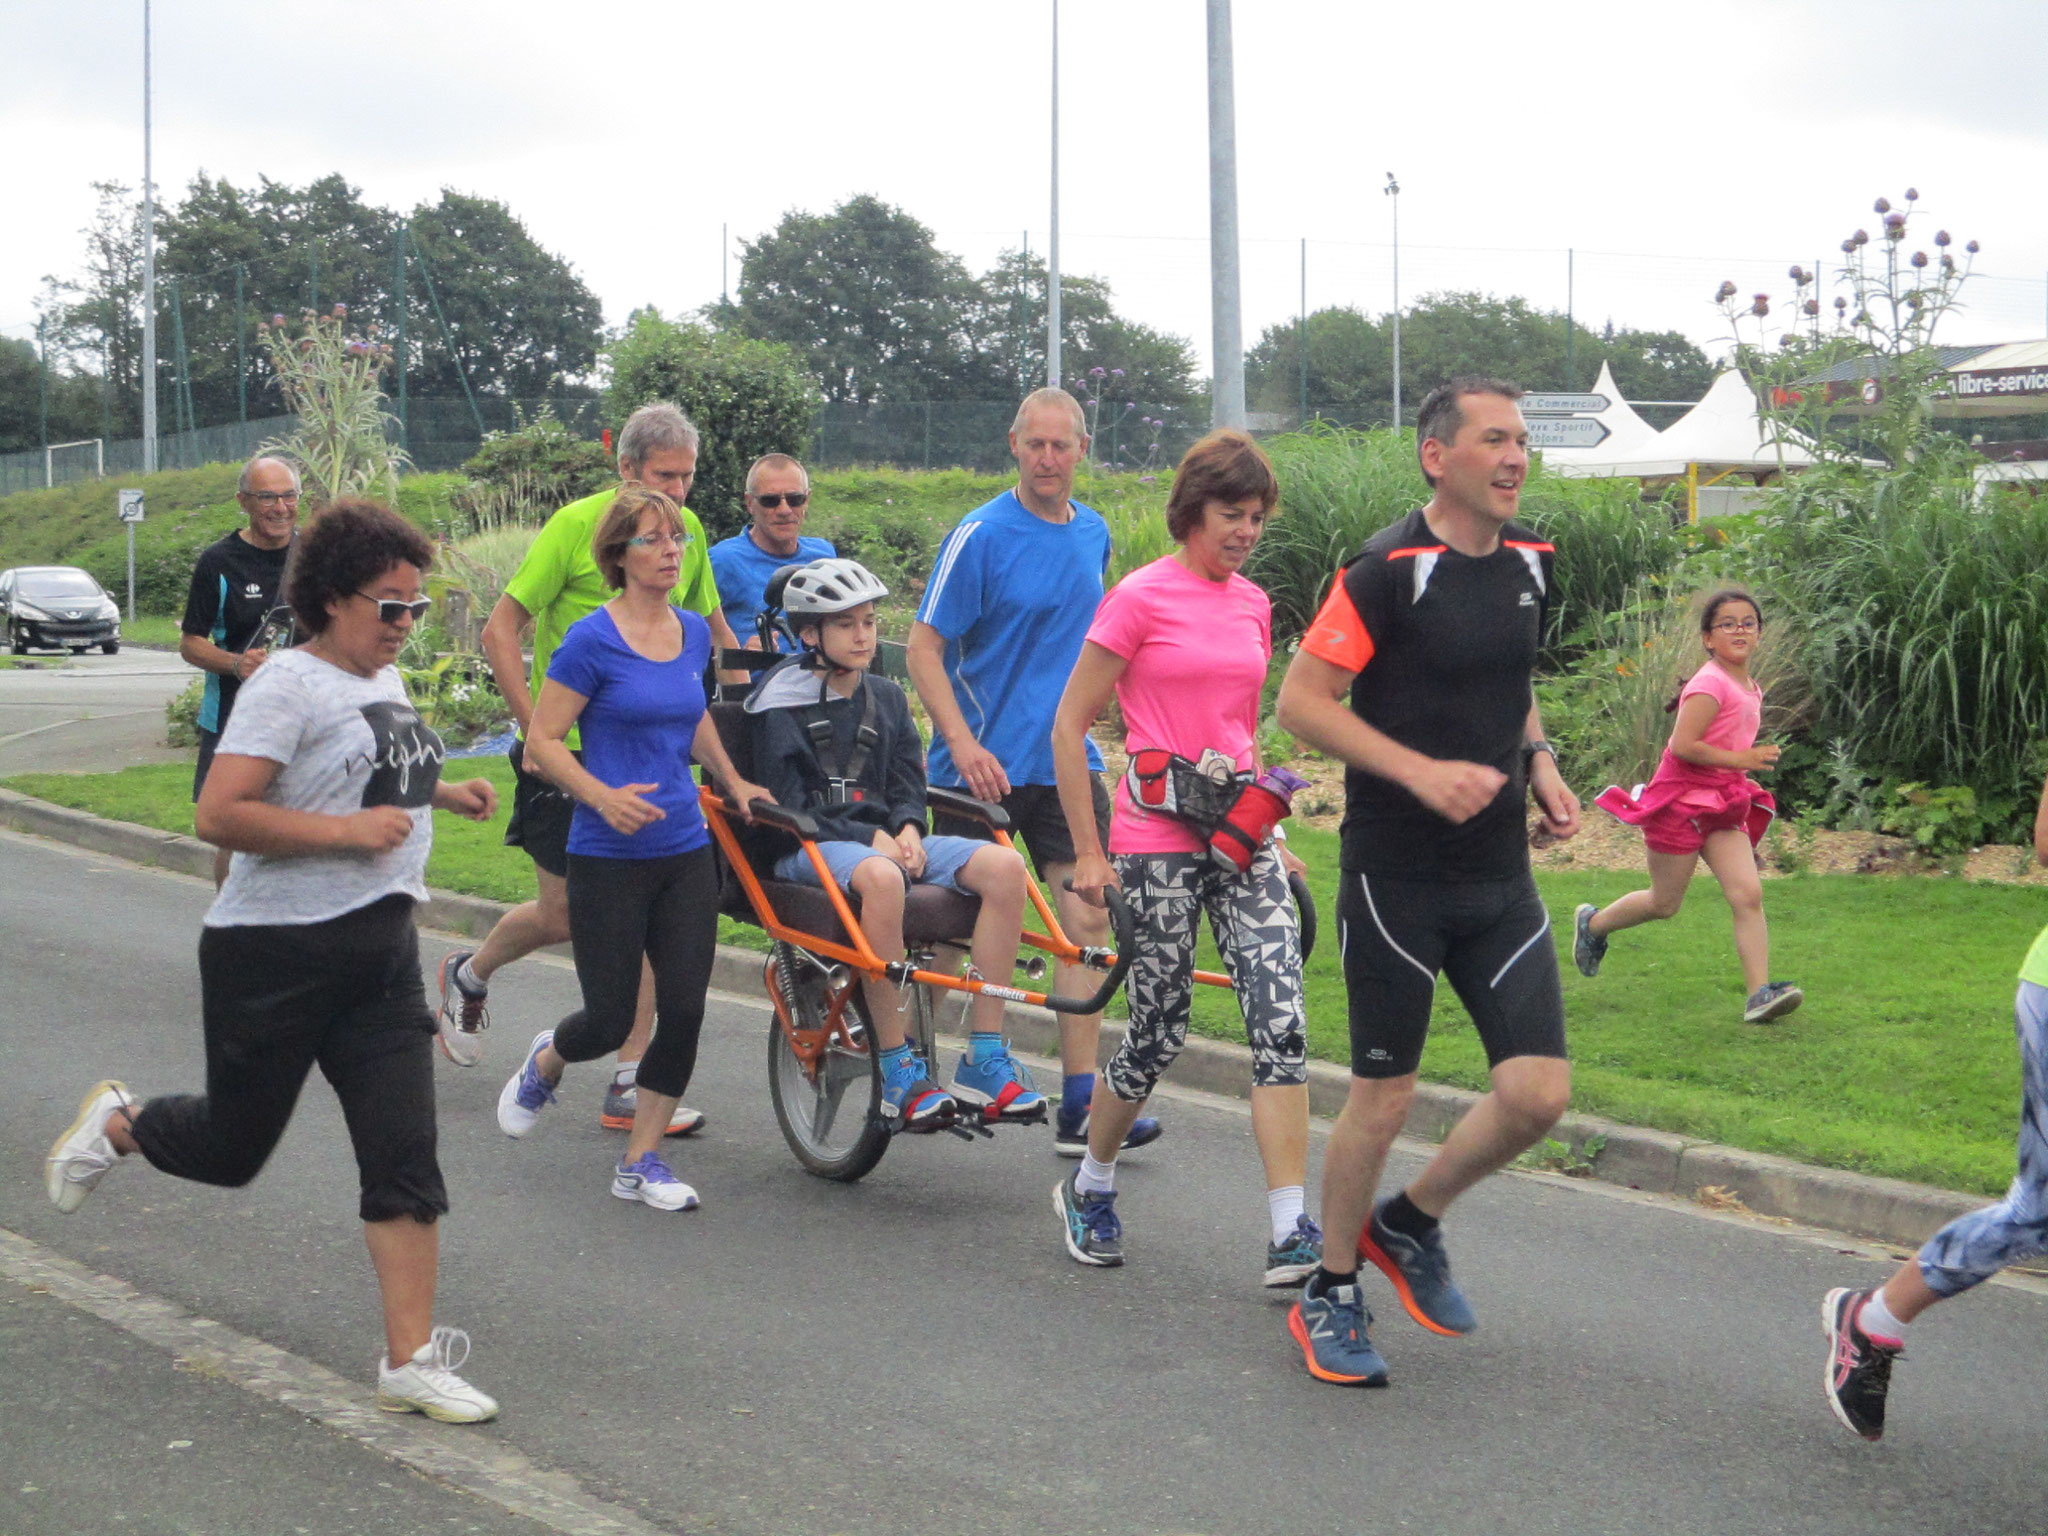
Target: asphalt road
88,713
914,1353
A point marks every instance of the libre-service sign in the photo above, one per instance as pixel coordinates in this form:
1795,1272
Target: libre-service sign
131,506
1985,383
1567,432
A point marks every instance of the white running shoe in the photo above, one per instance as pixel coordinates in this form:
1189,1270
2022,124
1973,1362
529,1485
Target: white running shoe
652,1182
462,1017
80,1158
526,1093
427,1383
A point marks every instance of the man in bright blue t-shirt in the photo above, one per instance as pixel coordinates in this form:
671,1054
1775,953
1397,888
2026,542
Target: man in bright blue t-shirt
1011,594
778,499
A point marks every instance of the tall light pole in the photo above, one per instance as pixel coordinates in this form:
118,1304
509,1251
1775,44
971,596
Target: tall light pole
1226,397
1052,258
148,270
1393,190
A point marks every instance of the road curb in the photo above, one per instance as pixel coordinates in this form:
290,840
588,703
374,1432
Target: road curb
1886,1210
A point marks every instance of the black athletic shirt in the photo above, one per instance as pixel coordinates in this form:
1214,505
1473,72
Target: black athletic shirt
1444,648
234,587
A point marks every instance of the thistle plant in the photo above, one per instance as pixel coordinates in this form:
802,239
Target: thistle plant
342,441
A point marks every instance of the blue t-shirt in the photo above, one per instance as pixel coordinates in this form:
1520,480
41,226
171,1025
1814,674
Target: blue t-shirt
637,729
1013,594
742,568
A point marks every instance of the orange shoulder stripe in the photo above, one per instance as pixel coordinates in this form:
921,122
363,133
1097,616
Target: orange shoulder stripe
1338,634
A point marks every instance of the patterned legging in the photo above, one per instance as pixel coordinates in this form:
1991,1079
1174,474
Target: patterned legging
1973,1248
1258,934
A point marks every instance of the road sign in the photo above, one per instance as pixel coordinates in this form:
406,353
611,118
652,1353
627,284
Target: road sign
1564,405
131,506
1567,432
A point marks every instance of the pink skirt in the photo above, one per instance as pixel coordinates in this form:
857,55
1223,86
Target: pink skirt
1682,804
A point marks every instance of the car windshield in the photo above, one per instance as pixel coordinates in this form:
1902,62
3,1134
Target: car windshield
45,585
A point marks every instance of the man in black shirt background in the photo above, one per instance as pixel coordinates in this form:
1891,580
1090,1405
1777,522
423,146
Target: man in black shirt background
1417,674
234,590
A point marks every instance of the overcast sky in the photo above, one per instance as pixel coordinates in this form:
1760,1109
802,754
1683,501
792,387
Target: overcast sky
1671,144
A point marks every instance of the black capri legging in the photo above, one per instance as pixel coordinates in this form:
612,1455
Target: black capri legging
619,910
344,994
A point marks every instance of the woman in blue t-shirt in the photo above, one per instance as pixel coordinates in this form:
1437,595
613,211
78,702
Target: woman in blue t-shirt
641,874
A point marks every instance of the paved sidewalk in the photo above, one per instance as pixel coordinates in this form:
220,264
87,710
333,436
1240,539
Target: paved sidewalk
1887,1210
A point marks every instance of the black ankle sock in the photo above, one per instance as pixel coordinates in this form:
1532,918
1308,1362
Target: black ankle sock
1320,1282
1404,1217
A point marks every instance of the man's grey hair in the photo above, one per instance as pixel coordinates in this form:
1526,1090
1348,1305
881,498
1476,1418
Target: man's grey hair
1052,394
656,428
774,461
249,471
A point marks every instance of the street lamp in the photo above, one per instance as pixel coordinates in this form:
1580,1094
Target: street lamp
1052,268
1393,190
148,271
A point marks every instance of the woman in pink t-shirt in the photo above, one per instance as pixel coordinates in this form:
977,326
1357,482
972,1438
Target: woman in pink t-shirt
1701,803
1184,643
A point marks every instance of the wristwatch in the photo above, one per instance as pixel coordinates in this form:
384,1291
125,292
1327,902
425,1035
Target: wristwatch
1531,748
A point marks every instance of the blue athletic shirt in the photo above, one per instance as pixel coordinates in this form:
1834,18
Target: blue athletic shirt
742,568
1014,595
637,729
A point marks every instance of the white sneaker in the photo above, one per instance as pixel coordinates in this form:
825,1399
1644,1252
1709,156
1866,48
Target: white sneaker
652,1182
427,1383
462,1017
526,1093
81,1157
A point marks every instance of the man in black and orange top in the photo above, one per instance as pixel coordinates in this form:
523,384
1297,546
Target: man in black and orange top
1417,674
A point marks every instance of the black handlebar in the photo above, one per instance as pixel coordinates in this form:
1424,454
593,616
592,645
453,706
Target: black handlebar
1305,909
966,805
1125,928
768,813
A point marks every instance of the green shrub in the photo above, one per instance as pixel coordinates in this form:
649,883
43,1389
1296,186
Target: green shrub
1943,823
526,474
747,398
181,715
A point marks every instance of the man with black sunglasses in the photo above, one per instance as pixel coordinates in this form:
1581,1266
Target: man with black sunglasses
778,499
233,593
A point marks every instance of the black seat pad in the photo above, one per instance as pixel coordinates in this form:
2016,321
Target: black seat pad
931,915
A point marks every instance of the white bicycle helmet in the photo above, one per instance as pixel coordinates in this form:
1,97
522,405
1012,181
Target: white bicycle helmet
825,587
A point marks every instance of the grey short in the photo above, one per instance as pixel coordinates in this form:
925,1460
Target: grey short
1036,820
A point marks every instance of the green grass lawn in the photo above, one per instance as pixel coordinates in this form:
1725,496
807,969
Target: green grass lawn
1901,1062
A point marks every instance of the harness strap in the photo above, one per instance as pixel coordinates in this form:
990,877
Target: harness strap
843,781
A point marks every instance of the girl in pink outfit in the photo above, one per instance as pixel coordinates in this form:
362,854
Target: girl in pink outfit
1701,803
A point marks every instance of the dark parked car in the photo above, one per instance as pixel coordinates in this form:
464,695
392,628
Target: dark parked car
57,607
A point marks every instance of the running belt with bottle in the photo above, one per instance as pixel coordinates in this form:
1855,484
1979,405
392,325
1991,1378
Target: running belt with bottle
1234,809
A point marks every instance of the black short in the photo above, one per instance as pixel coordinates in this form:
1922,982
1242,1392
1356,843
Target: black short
208,741
1490,937
541,815
1036,819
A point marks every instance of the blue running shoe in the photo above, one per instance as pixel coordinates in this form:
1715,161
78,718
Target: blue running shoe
1293,1261
1333,1332
1421,1272
1070,1136
526,1093
1089,1222
910,1097
995,1083
652,1182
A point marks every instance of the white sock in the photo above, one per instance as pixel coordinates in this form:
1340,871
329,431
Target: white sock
1876,1319
466,976
1283,1205
626,1074
1095,1178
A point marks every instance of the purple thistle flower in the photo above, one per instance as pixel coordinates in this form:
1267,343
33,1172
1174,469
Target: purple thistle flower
1725,291
1882,205
1919,258
1760,305
1895,226
1973,247
1941,237
1912,194
1861,237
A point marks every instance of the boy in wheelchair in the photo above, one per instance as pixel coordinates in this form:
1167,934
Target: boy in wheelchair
838,744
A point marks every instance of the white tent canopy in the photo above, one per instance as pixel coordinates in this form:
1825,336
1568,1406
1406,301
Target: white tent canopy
1627,433
1724,433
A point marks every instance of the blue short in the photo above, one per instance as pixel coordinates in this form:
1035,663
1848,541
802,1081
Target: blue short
944,858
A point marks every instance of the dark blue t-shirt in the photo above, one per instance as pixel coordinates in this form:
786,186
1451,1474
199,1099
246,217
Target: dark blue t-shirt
742,568
637,729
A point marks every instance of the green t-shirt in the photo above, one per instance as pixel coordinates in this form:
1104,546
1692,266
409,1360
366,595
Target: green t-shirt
2035,967
558,582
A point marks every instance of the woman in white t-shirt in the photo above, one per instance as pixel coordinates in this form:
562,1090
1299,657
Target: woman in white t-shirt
1184,643
323,785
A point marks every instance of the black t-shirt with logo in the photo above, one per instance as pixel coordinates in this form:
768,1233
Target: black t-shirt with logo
1444,647
234,590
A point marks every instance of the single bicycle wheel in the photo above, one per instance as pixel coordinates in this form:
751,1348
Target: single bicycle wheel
825,1083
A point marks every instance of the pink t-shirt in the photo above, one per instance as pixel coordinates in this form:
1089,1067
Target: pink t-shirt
1196,652
1739,712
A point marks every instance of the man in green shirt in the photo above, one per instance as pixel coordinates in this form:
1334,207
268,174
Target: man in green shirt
556,584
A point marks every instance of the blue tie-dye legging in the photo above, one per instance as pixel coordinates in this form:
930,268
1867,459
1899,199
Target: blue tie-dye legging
1973,1248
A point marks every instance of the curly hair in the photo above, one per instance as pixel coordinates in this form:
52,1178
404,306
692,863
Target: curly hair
349,546
621,522
1225,466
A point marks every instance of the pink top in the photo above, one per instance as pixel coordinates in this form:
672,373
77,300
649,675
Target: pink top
1196,652
1739,712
